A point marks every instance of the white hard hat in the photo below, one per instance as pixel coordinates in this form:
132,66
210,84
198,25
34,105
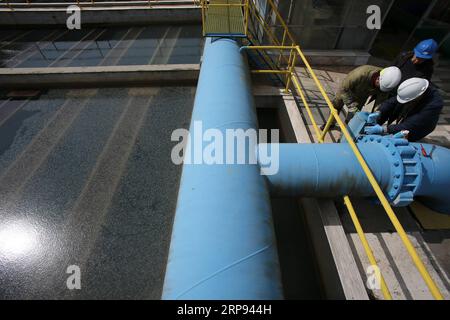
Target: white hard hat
389,78
411,89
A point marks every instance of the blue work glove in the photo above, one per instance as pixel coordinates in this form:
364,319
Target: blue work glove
376,129
373,117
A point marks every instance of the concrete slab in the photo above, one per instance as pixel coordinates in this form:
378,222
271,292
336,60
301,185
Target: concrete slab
112,15
95,76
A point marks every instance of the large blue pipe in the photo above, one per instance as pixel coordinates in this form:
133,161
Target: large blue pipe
223,242
326,170
405,171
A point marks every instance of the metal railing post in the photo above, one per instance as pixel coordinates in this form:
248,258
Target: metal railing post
291,68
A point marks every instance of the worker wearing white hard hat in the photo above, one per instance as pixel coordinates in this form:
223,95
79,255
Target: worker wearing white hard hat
415,110
364,82
412,89
389,78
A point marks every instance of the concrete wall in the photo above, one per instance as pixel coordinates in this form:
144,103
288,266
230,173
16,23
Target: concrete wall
100,15
95,76
337,57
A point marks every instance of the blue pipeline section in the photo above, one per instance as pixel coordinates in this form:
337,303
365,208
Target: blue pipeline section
223,242
405,171
326,170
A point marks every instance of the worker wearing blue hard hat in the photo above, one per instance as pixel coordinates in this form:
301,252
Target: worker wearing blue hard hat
426,49
419,62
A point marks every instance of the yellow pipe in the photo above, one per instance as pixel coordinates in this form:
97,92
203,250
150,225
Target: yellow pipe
282,43
365,243
387,207
308,110
263,53
291,67
280,19
327,126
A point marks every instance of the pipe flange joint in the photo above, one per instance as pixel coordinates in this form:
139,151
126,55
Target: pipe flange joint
405,168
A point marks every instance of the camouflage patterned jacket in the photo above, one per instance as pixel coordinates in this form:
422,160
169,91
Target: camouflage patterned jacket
358,86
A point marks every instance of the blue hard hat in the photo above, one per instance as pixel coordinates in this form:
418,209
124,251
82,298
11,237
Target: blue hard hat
426,49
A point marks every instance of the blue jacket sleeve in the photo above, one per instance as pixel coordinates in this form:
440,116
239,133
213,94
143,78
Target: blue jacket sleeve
419,125
386,109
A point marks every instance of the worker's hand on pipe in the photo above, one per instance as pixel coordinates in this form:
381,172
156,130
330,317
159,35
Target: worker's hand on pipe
401,134
376,129
373,117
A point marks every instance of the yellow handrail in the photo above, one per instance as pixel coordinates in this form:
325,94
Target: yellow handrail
384,289
376,187
292,76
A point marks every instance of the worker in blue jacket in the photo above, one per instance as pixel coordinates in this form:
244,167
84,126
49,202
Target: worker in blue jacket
415,111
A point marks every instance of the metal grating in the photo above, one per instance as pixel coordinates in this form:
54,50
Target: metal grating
224,18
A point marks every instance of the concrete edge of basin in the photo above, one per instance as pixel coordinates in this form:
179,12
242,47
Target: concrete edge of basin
98,76
100,15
